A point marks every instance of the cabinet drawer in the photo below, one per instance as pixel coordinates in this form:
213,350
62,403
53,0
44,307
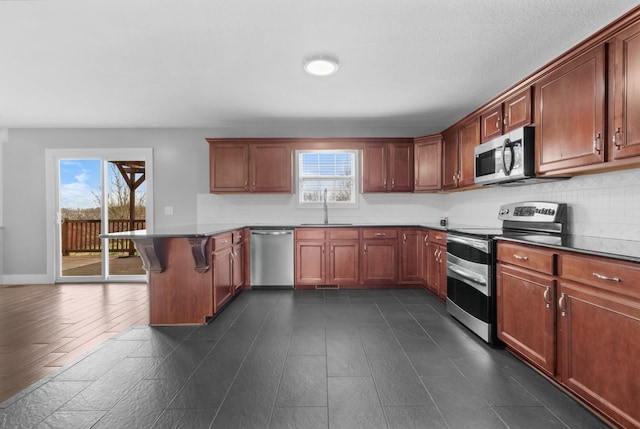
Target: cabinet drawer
605,273
342,234
238,236
379,233
310,233
536,259
222,240
436,236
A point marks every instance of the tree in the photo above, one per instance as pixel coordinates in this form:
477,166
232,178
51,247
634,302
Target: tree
118,198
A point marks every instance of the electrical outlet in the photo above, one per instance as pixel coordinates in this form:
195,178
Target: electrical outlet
168,210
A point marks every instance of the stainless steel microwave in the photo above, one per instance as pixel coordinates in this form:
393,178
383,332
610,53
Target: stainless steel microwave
507,158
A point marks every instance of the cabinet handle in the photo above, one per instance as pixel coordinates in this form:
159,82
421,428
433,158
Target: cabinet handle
504,120
596,149
615,138
380,234
426,237
522,258
393,182
384,183
545,296
365,248
454,177
603,277
561,303
224,241
404,237
498,123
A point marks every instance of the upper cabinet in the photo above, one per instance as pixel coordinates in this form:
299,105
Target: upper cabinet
450,158
427,155
570,103
625,130
388,166
458,157
250,167
513,113
468,139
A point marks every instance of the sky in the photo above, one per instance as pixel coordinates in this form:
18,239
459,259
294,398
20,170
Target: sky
78,178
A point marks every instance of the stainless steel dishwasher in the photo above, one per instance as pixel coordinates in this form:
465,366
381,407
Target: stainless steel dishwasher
272,255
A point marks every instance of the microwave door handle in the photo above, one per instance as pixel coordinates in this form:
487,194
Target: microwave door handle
505,145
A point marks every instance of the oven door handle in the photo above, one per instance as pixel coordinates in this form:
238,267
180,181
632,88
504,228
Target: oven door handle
466,276
473,243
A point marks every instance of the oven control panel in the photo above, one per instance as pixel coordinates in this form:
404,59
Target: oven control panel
534,211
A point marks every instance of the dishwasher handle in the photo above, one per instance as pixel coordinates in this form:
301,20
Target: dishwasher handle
271,232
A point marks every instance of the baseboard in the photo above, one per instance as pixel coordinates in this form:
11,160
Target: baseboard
26,279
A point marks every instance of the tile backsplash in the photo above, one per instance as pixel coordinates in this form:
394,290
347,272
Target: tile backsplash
600,205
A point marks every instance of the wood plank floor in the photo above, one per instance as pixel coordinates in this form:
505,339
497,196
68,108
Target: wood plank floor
43,327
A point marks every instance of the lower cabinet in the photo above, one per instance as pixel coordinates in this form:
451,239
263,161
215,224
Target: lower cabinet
410,256
222,271
437,263
228,267
326,256
577,318
380,256
599,334
238,261
526,315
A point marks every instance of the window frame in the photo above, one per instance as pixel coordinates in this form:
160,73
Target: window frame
332,204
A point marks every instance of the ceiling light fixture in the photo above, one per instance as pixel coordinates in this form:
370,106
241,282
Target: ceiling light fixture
320,65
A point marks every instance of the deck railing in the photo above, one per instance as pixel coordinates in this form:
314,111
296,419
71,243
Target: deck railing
83,235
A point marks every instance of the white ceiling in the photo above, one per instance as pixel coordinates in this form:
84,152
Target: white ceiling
411,66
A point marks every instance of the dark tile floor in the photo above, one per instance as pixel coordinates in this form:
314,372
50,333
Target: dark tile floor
304,359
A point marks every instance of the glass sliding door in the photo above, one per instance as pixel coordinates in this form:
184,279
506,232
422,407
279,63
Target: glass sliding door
95,196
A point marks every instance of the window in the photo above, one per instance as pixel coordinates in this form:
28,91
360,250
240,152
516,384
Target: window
333,170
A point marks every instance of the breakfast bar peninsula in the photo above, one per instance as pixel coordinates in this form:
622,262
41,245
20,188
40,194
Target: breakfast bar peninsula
194,271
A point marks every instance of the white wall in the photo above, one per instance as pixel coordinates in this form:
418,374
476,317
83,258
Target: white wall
274,209
181,171
600,205
604,205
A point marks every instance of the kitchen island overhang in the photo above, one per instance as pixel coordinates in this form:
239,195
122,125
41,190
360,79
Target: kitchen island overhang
193,271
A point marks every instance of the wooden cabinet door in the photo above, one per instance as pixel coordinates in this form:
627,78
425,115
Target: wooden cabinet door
400,167
433,283
229,167
517,111
442,282
310,262
271,168
625,133
571,120
343,262
526,315
450,166
424,256
410,256
599,343
427,153
380,261
222,277
491,123
374,167
237,256
469,138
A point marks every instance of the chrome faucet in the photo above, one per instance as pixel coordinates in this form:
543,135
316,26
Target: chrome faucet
326,208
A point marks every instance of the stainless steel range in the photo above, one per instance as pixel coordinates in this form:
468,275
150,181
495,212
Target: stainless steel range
471,260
